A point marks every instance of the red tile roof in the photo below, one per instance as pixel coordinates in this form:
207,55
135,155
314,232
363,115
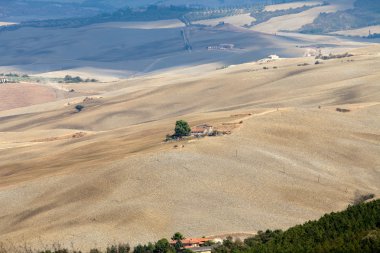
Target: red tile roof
198,130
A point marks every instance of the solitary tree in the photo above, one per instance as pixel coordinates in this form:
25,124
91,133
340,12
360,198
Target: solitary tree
177,236
182,128
79,107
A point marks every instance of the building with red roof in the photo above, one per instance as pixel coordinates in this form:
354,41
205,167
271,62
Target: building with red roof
192,242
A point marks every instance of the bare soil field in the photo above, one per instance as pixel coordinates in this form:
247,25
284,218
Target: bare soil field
105,174
238,20
25,94
293,22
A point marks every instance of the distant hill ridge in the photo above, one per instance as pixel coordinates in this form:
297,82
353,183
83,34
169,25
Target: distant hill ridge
26,10
185,13
365,13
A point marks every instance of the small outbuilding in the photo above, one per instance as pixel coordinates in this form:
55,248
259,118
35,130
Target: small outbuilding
221,47
207,249
274,57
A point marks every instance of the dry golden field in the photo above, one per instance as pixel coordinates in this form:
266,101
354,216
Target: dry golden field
105,175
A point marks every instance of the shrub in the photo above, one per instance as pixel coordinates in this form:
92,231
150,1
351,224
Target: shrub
71,79
361,198
56,251
90,80
79,108
333,56
342,110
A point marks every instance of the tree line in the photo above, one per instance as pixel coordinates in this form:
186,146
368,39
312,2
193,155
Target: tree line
356,229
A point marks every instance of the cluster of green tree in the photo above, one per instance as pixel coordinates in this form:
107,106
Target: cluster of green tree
374,36
181,128
150,13
121,248
76,79
212,13
356,229
161,246
365,13
17,77
225,11
263,16
12,75
333,56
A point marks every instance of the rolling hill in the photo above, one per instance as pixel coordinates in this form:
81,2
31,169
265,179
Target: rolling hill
298,113
110,162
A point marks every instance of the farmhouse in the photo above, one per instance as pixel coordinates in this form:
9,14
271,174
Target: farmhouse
221,47
270,58
273,57
4,80
192,243
202,130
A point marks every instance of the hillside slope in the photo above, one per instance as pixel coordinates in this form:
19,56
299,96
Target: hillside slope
105,175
